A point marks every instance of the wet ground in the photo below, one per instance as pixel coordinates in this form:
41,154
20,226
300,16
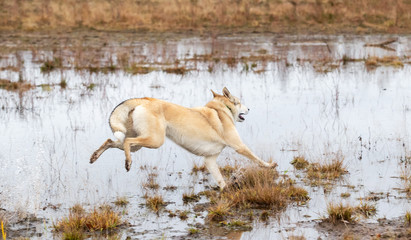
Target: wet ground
315,96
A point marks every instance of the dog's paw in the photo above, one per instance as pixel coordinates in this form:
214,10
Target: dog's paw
93,158
128,165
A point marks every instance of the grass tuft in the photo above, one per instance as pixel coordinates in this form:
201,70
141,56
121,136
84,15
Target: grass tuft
121,201
79,221
155,203
219,211
366,209
340,213
299,162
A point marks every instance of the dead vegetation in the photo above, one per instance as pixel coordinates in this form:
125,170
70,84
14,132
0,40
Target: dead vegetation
321,172
155,202
255,188
346,213
19,86
207,15
80,222
392,61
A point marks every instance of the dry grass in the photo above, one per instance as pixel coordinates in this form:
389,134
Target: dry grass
340,213
155,202
197,168
79,221
190,197
163,15
366,209
329,170
262,188
121,201
20,86
392,61
219,211
299,162
406,179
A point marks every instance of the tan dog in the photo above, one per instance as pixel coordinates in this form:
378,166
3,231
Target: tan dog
203,131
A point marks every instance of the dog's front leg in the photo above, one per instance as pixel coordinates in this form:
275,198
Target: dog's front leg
211,164
243,150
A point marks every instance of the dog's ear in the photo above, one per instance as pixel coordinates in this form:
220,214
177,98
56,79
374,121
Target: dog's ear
227,94
214,94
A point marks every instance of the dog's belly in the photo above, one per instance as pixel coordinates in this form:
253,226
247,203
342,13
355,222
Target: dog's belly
196,145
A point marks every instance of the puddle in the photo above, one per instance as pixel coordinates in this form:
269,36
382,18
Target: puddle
48,133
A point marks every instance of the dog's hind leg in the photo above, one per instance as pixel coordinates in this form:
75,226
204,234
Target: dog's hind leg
211,164
106,145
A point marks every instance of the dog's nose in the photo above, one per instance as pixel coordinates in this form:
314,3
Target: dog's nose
248,109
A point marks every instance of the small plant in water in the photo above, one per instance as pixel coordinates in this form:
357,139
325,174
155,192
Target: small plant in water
299,162
121,201
340,213
155,203
219,211
193,231
366,209
79,221
190,197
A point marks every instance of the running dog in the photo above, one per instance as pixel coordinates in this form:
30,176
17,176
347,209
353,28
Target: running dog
203,131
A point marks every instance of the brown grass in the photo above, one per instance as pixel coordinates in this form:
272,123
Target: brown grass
406,179
20,86
190,197
340,213
366,209
392,61
299,162
197,168
207,15
262,188
79,221
121,201
219,211
329,170
155,203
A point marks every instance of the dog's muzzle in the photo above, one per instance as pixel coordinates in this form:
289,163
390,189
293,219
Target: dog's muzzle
241,116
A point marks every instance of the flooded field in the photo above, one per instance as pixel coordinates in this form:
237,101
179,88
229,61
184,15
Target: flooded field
319,97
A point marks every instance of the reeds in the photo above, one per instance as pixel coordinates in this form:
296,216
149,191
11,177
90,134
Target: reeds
163,15
155,202
340,213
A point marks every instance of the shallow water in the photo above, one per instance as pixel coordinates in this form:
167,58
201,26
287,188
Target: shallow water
300,105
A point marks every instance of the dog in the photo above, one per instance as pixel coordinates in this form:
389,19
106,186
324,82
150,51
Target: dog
203,131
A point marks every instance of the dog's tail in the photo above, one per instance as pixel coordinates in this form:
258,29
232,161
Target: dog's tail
118,119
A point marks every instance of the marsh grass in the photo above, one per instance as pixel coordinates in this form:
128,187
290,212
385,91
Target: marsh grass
366,209
121,201
405,176
392,61
80,221
19,86
254,187
338,212
219,211
198,168
317,172
193,231
51,65
206,15
190,197
299,162
155,202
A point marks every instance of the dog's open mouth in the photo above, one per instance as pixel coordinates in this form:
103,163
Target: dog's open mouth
241,116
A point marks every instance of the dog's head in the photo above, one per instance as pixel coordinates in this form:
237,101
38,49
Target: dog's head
233,104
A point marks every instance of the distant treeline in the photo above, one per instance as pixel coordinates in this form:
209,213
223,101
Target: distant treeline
208,15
